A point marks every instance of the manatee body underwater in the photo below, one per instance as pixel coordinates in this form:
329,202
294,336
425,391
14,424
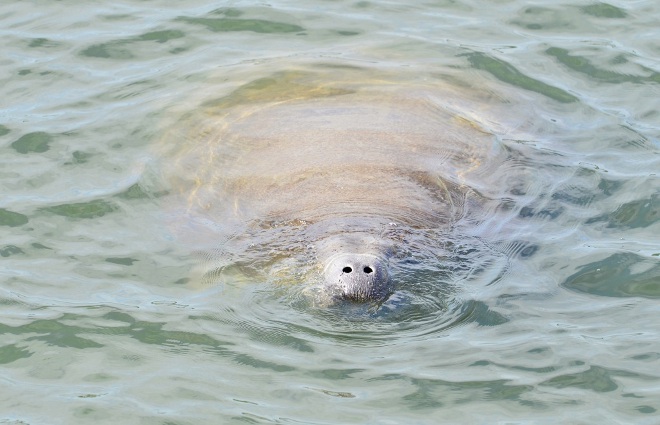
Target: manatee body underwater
336,187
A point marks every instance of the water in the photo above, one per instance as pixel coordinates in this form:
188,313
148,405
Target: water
548,317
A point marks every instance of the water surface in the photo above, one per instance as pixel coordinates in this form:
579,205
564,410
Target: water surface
546,311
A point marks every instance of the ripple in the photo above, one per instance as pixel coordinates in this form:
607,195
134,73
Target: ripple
430,298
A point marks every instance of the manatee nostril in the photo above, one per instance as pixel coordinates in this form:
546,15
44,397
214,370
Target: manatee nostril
347,269
367,269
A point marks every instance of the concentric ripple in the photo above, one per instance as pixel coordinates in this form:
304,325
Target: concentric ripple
431,296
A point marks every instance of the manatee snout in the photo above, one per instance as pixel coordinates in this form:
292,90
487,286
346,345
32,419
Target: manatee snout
357,277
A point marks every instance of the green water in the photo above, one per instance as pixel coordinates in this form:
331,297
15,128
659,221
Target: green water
552,320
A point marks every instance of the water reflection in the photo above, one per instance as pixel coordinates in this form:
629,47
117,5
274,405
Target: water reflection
618,275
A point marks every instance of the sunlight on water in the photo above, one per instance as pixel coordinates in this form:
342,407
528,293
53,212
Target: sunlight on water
174,178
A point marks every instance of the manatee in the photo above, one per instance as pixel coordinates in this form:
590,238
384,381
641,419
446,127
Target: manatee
330,179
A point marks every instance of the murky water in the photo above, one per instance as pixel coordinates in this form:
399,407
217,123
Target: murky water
536,302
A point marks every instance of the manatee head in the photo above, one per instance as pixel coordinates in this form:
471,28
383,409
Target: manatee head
357,277
356,267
